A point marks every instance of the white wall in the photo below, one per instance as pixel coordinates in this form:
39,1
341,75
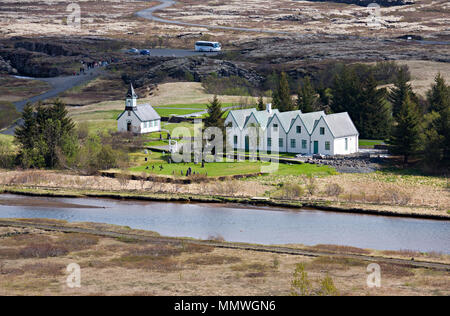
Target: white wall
126,117
292,134
270,132
339,145
328,136
137,126
151,126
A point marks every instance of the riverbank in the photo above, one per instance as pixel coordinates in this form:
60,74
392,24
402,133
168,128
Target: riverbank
117,260
166,197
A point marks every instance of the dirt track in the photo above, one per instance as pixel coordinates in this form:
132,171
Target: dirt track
228,245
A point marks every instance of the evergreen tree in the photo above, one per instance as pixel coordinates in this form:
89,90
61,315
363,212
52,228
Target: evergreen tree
215,114
438,96
399,92
44,134
406,137
307,99
437,131
346,90
26,133
261,106
376,113
282,97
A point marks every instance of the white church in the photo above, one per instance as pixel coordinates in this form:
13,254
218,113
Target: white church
138,119
292,132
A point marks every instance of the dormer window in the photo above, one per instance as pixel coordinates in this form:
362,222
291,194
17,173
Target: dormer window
299,129
275,127
322,131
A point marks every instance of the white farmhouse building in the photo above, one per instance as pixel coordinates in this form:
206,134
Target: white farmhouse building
292,132
138,119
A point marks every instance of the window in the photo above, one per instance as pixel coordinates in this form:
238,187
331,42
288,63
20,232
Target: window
129,113
299,129
293,145
281,142
235,140
322,131
346,144
275,127
304,143
269,142
327,145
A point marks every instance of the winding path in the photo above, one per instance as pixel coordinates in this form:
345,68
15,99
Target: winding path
148,14
58,86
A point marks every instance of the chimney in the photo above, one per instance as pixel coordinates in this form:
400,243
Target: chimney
269,108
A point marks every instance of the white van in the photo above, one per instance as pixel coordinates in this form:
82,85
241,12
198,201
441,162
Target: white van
203,46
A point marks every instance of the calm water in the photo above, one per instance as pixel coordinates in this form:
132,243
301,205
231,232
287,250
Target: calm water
253,225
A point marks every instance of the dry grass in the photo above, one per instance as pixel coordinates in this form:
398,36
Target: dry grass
112,267
212,260
341,249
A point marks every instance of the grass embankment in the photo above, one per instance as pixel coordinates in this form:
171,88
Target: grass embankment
34,262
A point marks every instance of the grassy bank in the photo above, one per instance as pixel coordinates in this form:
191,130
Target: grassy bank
322,205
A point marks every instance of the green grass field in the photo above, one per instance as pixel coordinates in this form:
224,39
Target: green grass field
219,169
369,143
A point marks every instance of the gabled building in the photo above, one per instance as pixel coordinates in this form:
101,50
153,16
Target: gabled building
292,132
138,119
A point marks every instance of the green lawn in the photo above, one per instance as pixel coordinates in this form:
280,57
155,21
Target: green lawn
169,112
218,169
370,143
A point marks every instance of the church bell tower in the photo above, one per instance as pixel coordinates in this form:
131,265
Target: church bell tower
131,99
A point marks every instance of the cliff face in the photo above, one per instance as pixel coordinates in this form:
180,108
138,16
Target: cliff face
365,3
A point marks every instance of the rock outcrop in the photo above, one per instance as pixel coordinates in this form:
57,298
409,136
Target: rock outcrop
6,68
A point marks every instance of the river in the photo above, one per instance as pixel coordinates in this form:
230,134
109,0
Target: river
261,225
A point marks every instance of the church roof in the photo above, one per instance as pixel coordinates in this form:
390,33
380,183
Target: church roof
131,93
144,112
341,125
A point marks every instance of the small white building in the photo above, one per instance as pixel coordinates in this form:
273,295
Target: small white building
292,132
138,119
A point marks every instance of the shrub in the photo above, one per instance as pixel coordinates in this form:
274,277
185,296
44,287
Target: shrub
300,285
43,251
6,154
291,191
327,287
311,186
76,242
333,189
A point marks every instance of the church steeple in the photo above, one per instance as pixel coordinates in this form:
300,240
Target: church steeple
131,99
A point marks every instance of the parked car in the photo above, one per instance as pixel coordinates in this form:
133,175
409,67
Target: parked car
133,51
145,52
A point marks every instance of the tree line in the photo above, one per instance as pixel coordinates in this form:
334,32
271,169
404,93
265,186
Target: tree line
48,138
411,125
